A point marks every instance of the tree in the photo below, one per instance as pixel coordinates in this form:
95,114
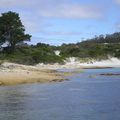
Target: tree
12,30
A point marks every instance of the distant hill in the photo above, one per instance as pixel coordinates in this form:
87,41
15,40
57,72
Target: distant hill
109,38
97,48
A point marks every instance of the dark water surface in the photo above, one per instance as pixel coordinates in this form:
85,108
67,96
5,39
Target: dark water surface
87,96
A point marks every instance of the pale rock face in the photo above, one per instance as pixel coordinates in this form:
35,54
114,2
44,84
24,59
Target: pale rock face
111,62
57,52
106,43
72,60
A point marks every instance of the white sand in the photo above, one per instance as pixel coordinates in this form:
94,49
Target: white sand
74,63
112,62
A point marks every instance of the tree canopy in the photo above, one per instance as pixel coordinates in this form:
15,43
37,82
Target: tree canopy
12,30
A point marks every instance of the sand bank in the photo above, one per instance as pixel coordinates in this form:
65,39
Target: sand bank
11,74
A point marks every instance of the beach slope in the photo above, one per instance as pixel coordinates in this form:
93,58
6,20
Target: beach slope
12,74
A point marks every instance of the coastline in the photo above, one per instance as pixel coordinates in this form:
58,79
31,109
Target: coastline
12,74
76,64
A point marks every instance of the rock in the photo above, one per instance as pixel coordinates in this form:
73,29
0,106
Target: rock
1,83
110,74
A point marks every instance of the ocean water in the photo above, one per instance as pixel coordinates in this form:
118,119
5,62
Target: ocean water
87,96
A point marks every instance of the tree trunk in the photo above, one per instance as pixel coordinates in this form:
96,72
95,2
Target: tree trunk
12,48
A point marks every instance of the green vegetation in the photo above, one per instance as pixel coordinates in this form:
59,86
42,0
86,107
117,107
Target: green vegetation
12,31
96,48
12,34
32,55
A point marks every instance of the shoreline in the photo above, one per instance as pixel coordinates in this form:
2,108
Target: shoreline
72,63
13,74
14,78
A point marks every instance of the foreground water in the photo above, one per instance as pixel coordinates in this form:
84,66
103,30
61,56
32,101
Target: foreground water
87,96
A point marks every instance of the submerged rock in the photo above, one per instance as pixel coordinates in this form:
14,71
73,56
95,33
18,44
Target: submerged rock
110,74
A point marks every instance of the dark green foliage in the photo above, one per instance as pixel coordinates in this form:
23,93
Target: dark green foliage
32,55
12,31
98,48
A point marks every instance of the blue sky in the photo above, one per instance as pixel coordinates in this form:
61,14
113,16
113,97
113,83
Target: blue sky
65,21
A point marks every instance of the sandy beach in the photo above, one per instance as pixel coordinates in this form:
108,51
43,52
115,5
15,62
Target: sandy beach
12,74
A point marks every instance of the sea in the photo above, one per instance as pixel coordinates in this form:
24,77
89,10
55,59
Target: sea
86,95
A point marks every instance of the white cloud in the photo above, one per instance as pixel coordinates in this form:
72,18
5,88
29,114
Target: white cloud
33,14
38,9
71,11
117,26
16,3
62,33
117,1
51,8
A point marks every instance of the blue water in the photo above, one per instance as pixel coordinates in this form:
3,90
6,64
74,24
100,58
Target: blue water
87,96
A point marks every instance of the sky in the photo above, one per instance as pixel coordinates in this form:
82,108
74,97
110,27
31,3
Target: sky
65,21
